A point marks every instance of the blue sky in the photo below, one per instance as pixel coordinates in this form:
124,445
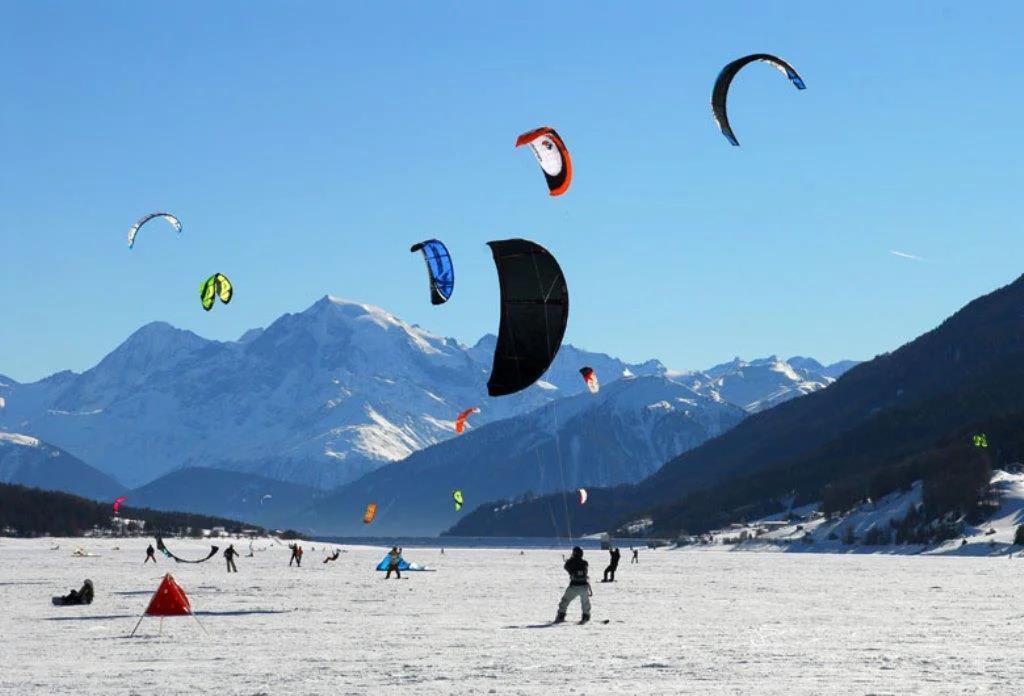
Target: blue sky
306,146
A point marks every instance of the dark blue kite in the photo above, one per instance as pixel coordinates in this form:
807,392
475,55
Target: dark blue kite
439,268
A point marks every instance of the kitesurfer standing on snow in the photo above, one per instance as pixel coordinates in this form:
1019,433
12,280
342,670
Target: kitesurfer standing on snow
610,570
229,556
636,555
296,555
150,555
394,556
579,586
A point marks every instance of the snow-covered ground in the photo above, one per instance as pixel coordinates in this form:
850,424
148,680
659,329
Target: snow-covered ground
680,623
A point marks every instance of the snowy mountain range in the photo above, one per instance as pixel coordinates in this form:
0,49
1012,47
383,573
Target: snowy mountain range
620,435
317,398
27,461
322,397
766,382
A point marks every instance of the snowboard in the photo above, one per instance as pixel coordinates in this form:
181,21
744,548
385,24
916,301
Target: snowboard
62,602
550,624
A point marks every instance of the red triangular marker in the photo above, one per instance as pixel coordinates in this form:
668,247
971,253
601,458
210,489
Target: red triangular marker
169,600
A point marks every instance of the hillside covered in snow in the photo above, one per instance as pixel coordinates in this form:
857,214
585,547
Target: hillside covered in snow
896,523
322,397
620,435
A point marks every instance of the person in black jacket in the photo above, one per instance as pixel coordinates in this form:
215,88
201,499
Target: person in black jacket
610,570
579,586
394,558
82,596
229,556
150,555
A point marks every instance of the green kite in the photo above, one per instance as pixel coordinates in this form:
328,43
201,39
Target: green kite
213,287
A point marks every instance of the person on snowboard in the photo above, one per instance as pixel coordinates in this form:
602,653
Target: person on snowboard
394,556
229,556
610,570
82,596
150,555
579,586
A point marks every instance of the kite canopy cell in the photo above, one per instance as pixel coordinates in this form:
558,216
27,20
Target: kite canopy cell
721,89
213,287
162,548
553,157
440,270
590,377
134,229
460,422
534,314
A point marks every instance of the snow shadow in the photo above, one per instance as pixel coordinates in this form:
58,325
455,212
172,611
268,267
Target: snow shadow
104,617
25,582
243,612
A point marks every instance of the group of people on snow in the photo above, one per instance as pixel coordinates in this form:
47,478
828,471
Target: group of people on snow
576,567
230,554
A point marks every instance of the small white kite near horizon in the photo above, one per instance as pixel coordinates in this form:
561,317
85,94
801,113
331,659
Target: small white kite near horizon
903,255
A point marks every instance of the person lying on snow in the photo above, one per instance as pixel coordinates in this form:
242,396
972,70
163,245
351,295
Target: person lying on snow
82,596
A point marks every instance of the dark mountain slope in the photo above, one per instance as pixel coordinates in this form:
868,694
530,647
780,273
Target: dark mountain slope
965,371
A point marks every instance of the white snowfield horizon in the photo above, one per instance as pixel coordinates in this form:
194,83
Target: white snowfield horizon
680,622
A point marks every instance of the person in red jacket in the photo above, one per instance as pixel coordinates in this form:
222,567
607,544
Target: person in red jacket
579,586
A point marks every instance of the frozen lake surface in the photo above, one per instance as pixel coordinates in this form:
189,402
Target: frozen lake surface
680,622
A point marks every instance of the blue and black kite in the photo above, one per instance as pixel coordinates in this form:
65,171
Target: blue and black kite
439,268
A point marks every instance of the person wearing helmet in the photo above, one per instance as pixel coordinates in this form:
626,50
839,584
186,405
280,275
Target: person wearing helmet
394,559
82,596
579,586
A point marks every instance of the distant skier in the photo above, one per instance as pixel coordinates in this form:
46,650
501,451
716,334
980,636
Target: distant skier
394,557
334,556
636,555
150,555
296,555
229,556
609,572
579,586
